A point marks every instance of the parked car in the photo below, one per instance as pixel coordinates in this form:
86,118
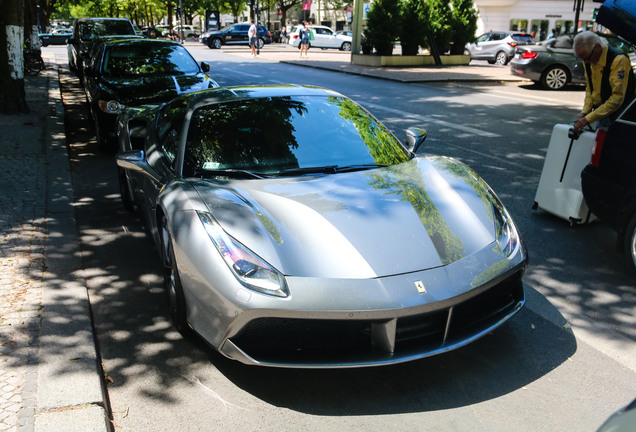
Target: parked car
55,37
235,34
86,32
138,71
553,64
497,47
324,37
296,230
188,31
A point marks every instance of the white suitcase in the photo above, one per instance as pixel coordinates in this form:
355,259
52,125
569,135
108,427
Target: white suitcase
559,190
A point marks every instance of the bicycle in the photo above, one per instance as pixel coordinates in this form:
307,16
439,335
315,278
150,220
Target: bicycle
33,62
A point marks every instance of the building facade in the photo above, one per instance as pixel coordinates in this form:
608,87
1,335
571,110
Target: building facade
538,17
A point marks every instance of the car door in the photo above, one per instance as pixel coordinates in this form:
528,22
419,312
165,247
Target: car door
325,38
238,34
493,45
477,48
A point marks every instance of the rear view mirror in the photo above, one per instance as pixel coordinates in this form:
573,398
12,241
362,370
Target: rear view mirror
205,67
414,138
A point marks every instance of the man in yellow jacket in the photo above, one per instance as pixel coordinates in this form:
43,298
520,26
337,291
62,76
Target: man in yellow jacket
609,77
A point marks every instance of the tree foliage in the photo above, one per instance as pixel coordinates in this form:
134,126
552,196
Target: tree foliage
383,21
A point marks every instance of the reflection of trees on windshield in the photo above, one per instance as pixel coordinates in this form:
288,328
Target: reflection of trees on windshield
408,184
383,147
127,60
250,134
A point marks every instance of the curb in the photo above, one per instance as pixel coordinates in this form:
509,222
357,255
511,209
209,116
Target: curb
70,393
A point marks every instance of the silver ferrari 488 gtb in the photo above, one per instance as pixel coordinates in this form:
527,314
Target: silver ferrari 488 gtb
296,231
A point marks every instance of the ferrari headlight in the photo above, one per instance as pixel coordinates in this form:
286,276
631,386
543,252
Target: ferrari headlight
248,268
110,107
507,236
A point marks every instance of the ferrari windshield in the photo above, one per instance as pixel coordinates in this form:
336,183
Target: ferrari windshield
282,135
136,59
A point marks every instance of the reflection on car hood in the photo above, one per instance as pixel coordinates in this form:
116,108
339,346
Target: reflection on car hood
426,213
154,88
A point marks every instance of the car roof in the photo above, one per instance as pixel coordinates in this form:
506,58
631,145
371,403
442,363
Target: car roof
136,40
102,19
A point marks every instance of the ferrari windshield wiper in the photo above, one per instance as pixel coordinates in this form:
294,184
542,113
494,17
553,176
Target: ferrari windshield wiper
229,172
327,169
359,167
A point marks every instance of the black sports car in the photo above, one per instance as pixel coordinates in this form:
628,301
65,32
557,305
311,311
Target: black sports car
131,72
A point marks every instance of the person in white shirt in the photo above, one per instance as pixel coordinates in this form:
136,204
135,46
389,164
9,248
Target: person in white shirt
251,34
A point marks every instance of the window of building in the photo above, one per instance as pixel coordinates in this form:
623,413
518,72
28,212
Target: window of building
539,29
519,25
563,26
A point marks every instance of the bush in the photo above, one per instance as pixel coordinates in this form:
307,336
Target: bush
412,28
464,24
383,22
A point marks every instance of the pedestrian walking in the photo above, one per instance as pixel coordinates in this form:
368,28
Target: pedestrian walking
251,34
304,39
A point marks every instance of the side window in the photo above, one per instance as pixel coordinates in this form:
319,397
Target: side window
169,129
482,38
497,36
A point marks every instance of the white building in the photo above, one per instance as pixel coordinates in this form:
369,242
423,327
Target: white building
533,16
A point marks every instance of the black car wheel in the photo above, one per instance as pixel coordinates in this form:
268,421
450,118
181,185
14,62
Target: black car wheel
346,46
172,281
630,244
501,58
555,78
216,43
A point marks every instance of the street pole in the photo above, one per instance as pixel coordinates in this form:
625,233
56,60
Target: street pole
180,22
358,10
258,14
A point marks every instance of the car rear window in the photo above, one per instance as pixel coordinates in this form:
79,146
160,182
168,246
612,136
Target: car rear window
523,38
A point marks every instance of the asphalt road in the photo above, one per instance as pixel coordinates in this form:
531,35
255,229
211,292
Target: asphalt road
564,363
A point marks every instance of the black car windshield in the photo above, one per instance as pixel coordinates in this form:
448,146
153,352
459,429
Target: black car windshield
90,29
282,135
147,59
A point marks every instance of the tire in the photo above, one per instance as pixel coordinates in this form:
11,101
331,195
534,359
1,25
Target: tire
215,43
555,78
501,58
176,298
124,191
630,244
33,65
261,43
346,46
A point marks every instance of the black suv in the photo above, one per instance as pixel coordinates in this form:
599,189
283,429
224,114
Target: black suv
236,34
88,30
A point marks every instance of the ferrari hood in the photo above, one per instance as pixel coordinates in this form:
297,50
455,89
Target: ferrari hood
152,89
426,213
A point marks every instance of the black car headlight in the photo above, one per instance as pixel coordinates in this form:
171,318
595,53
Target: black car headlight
505,230
251,270
111,106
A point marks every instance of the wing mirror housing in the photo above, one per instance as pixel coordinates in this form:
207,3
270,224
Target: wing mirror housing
414,138
205,67
132,160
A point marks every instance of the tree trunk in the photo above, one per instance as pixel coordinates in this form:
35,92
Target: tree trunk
12,95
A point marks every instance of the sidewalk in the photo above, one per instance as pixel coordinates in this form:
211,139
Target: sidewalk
50,376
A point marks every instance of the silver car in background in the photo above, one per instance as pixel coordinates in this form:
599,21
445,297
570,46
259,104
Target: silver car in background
497,47
295,230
